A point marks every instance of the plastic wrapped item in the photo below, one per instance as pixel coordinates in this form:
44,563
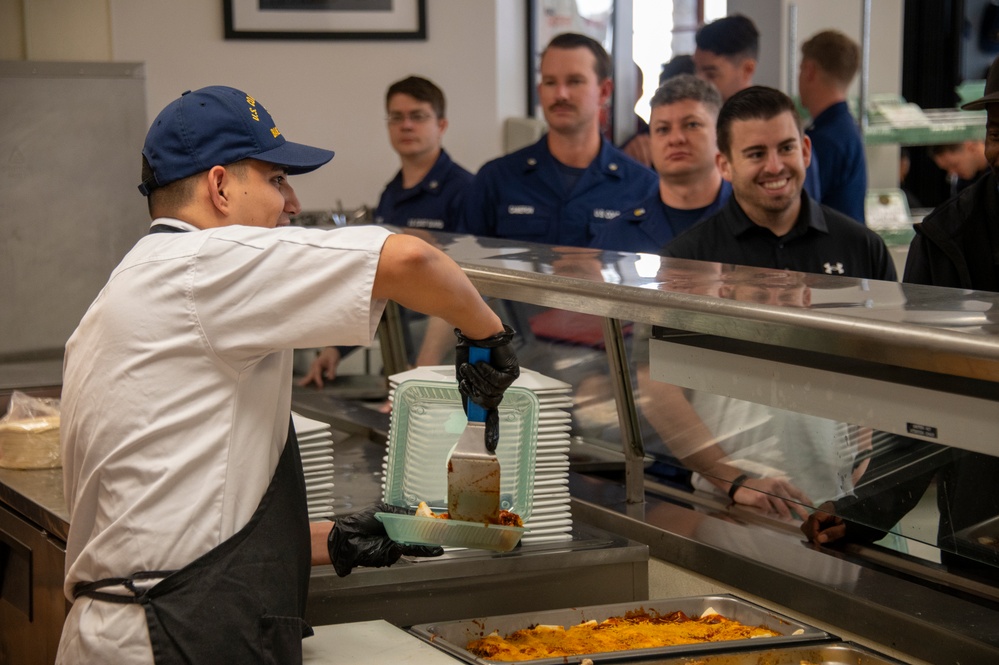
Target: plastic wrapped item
29,433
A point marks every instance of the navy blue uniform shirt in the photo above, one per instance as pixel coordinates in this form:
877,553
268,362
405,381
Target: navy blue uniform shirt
653,224
435,203
839,151
522,196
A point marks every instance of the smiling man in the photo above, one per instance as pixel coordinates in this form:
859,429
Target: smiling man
563,188
683,147
770,221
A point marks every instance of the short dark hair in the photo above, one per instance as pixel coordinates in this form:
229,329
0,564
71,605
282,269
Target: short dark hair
757,102
836,54
167,200
680,64
733,36
687,86
420,89
571,40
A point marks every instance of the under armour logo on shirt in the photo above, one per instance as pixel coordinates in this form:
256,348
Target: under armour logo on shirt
833,268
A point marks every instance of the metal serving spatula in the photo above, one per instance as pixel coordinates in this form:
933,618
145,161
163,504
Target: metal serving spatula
473,473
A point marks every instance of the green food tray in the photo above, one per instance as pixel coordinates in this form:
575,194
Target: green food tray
427,419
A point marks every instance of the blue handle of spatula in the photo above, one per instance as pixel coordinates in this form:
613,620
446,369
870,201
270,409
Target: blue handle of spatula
476,414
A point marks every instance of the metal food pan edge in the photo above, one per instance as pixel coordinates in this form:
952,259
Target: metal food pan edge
833,653
452,636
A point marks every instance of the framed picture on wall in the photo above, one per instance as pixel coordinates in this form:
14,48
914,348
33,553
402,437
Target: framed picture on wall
325,19
547,18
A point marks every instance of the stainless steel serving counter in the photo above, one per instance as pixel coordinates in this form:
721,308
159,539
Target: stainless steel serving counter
888,341
912,360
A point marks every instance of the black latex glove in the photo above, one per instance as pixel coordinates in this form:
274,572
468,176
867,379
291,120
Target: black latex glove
485,383
360,540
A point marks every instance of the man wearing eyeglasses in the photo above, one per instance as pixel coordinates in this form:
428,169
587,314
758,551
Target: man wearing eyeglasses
427,191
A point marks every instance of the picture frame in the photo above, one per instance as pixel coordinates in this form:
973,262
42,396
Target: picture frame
326,19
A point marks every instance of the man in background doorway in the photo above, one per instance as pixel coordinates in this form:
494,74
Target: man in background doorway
726,53
829,63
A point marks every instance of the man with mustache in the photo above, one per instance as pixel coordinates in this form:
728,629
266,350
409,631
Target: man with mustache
683,148
563,188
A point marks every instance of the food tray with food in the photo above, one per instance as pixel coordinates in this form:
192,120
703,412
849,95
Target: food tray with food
416,530
834,653
455,637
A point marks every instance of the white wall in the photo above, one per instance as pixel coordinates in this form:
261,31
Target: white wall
331,93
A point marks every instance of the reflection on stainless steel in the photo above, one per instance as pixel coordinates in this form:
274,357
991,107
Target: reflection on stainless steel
873,322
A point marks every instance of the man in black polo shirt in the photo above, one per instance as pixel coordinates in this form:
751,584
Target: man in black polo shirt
757,455
770,222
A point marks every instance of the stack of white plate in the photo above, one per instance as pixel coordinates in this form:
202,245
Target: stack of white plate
315,442
550,517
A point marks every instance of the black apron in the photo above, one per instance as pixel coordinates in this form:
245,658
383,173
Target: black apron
243,601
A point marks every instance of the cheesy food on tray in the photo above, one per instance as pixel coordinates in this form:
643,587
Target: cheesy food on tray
506,518
635,630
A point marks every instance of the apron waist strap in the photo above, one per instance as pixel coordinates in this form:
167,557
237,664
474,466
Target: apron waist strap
92,589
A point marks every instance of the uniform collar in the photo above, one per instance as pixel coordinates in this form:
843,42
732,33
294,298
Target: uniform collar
810,217
607,162
174,223
432,183
829,114
639,214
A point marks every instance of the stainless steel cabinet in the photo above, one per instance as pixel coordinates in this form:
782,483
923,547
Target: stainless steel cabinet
32,605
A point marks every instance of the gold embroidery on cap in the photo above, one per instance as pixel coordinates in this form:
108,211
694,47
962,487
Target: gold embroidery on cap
253,110
275,132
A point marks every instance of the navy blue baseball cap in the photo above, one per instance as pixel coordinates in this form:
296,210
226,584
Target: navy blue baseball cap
217,126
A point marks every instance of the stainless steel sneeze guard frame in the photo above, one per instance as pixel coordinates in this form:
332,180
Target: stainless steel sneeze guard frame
947,331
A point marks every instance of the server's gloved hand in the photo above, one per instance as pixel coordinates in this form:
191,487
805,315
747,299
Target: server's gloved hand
360,540
485,383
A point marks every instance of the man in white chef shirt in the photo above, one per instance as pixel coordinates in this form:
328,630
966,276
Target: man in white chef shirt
189,536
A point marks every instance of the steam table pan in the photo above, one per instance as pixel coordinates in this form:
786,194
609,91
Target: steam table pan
834,653
453,636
